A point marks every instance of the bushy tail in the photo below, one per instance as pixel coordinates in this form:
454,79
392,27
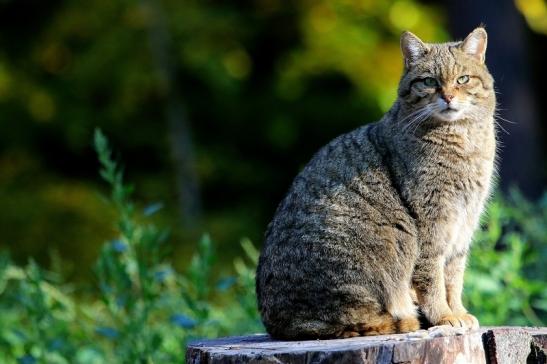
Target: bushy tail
381,324
373,324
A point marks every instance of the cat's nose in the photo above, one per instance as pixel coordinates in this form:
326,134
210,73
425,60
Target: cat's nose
447,97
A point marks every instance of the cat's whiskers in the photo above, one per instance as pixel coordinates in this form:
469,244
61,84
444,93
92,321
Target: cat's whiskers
429,110
424,117
417,117
413,114
497,118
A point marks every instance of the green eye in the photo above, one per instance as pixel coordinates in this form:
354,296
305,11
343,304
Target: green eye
430,82
463,79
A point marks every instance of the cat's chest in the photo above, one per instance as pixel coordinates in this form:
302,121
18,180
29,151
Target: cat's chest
448,196
448,183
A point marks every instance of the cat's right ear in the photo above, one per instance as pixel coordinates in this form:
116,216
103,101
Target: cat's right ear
412,47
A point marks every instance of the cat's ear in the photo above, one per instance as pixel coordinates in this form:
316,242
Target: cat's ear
412,47
475,44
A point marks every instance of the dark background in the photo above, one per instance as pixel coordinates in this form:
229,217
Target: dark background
214,106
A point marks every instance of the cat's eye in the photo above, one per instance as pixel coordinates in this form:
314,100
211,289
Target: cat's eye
430,82
463,79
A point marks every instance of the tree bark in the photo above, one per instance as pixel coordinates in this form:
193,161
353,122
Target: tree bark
441,344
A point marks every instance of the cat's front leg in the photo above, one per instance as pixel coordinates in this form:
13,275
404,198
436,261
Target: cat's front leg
454,273
429,284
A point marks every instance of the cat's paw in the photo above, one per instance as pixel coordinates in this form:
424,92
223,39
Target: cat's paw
464,320
450,320
469,320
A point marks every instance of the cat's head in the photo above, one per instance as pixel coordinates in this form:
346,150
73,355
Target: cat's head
446,81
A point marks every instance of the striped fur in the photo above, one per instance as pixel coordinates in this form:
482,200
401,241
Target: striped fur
386,212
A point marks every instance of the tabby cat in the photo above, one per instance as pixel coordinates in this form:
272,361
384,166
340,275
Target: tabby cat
381,219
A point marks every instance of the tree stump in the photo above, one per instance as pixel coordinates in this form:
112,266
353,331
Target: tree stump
441,344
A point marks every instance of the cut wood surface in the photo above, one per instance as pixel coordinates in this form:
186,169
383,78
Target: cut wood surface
441,344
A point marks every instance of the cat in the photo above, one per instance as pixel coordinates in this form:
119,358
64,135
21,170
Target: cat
381,218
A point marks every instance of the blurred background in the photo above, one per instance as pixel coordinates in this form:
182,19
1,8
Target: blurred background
214,106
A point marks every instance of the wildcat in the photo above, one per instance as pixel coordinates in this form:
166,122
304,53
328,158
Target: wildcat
384,215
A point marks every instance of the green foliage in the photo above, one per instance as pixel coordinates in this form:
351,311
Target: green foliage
264,84
37,316
505,280
143,311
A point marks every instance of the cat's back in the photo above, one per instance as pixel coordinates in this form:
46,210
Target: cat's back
340,216
333,188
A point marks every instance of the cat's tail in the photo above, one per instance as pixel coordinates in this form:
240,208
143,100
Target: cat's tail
372,324
381,324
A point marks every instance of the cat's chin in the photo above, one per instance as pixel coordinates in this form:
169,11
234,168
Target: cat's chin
448,115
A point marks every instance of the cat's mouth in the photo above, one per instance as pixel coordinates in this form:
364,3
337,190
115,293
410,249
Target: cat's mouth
449,110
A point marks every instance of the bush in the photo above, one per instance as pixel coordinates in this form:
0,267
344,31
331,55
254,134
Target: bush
142,310
505,280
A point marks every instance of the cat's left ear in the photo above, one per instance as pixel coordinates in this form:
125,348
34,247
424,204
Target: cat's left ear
475,44
412,47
